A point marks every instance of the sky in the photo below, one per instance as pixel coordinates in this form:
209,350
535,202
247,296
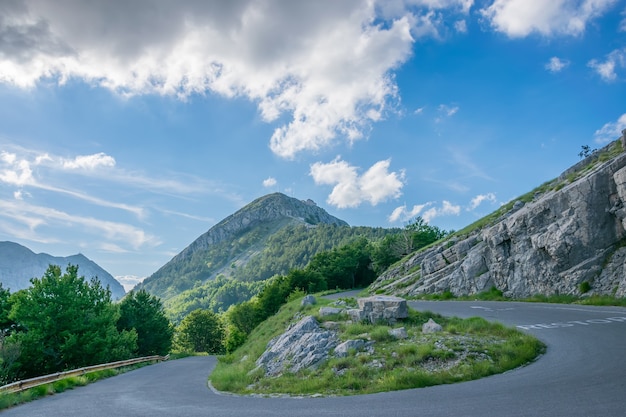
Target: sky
128,128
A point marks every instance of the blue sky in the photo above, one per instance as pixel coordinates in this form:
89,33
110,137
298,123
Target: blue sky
129,128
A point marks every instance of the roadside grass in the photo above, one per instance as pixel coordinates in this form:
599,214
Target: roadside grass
467,349
493,294
9,399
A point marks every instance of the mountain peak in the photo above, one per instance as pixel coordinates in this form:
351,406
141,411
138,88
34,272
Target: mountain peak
237,238
268,208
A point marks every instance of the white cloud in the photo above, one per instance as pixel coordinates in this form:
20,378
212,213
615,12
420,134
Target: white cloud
445,111
419,110
89,162
428,211
556,64
376,185
129,281
14,171
403,214
269,182
20,194
610,131
34,216
446,209
607,69
325,66
520,18
476,201
460,26
622,24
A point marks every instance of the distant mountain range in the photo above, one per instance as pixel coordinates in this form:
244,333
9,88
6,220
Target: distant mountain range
18,265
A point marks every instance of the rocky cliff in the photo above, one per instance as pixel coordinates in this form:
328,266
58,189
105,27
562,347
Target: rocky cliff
568,237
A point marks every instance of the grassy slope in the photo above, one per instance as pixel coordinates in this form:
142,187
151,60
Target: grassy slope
467,349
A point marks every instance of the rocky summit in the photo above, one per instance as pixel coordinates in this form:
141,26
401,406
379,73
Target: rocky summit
568,237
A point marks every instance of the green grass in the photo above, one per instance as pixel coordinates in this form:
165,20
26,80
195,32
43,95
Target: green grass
419,361
493,294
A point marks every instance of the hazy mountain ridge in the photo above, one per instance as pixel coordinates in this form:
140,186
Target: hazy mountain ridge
18,265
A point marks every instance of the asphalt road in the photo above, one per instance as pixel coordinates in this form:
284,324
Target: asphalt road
583,373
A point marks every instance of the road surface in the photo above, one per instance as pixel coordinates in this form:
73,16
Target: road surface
583,373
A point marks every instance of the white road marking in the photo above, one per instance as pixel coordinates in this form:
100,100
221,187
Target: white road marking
541,326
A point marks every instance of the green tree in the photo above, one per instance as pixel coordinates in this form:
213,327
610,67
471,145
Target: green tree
144,313
200,331
68,323
244,316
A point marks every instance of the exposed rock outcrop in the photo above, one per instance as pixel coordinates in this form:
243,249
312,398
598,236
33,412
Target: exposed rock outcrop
566,236
304,345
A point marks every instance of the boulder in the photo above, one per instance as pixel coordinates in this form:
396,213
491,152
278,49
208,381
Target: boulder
381,308
308,300
431,327
329,311
342,350
304,345
399,333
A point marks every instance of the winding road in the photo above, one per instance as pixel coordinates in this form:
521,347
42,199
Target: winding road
583,373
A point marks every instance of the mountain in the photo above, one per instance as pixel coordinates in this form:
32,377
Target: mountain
19,264
567,236
269,236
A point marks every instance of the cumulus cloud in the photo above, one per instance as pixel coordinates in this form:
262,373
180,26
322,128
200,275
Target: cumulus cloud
479,199
520,18
321,69
350,189
428,211
89,162
610,131
446,209
14,171
556,64
607,69
269,182
402,213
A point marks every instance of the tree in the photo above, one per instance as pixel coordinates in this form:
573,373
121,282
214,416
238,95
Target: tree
200,331
68,323
586,151
144,313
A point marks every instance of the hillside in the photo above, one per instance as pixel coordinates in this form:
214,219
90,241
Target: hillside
566,237
19,264
269,236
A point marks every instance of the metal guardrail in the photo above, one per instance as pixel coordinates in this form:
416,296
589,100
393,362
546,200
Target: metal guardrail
46,379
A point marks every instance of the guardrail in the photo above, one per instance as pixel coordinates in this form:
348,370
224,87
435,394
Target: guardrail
46,379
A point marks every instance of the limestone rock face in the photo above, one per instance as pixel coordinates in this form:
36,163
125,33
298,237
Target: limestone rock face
305,344
572,234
